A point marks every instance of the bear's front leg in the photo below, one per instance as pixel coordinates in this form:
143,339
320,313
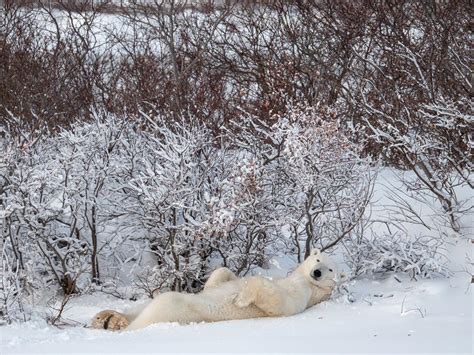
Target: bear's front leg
264,294
248,294
273,298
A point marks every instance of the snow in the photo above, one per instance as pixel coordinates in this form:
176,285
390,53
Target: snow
380,315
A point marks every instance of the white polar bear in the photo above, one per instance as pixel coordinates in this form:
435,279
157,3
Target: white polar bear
227,297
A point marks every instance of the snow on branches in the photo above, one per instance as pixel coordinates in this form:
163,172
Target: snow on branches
325,183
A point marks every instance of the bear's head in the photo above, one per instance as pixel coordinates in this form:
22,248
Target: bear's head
320,270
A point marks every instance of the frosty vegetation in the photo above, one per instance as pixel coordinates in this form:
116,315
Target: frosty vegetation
142,146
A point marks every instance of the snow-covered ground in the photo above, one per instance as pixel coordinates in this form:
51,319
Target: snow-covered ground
386,316
390,314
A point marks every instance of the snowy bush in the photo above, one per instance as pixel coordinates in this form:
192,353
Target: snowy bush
15,275
14,281
324,183
422,256
58,203
196,200
174,201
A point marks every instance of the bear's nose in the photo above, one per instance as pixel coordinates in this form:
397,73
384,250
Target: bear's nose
317,273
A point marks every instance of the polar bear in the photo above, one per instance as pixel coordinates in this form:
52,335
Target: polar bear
226,297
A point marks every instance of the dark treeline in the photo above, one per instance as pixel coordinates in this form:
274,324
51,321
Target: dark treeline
379,62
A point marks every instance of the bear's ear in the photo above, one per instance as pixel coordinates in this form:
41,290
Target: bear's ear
342,277
315,251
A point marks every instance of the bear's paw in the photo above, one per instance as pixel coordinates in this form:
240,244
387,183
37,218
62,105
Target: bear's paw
109,320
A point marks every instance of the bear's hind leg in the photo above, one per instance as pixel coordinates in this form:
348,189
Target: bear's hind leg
219,276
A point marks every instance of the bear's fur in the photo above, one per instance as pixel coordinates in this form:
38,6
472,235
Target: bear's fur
226,297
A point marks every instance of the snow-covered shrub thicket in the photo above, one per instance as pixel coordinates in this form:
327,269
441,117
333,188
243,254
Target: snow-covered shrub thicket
107,203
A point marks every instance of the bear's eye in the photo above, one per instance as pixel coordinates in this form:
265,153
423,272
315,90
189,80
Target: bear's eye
317,260
330,270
